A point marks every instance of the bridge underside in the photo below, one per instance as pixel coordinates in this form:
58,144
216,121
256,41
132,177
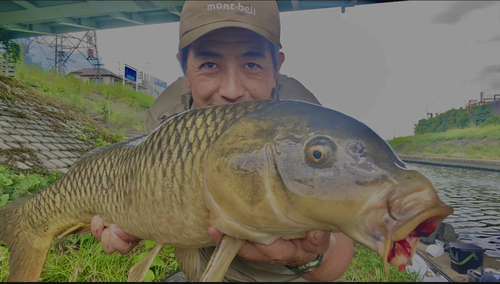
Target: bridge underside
21,19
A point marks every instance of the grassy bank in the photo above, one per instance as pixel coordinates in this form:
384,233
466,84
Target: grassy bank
103,115
115,106
480,142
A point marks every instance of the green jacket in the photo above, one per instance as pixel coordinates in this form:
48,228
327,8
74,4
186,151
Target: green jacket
177,98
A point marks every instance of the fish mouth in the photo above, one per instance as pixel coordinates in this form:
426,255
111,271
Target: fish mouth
401,247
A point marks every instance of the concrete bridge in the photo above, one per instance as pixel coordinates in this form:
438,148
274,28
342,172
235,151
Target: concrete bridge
20,19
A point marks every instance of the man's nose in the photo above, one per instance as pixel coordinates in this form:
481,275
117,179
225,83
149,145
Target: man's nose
231,88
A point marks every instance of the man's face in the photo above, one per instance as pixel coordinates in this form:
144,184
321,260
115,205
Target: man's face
230,65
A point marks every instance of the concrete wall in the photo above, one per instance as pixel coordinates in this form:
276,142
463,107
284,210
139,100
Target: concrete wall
453,162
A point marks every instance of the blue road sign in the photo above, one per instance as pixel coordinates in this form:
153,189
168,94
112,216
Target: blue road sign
130,74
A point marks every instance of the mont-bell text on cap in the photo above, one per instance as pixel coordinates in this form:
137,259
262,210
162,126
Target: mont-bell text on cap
201,17
233,6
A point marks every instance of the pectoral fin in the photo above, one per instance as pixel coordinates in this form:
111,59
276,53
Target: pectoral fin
78,229
222,257
189,262
138,272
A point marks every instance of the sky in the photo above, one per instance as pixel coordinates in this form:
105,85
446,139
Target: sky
386,65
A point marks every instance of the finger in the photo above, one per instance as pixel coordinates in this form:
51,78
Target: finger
117,243
105,241
279,252
316,242
97,227
215,234
318,237
333,240
124,236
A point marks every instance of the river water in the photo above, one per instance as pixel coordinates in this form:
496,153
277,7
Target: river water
475,197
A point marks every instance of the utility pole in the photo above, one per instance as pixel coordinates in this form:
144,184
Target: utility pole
60,52
55,54
119,65
97,56
93,53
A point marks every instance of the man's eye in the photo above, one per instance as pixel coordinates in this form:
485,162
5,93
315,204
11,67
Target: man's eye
251,65
209,65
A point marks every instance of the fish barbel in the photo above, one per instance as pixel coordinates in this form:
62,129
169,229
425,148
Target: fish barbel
256,171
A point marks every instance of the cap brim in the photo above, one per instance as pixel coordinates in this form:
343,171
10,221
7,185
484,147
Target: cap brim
193,35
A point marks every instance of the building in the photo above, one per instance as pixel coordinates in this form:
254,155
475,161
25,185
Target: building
493,100
145,83
151,85
91,75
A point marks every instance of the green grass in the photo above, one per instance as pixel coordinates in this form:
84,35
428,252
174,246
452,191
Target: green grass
114,104
83,259
367,266
447,146
13,185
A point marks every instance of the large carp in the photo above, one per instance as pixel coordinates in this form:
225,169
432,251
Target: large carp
256,171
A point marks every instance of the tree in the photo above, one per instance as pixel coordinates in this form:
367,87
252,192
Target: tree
12,50
481,113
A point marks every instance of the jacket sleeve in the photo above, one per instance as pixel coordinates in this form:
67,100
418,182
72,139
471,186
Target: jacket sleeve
288,88
169,102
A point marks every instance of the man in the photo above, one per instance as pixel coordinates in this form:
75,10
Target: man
229,52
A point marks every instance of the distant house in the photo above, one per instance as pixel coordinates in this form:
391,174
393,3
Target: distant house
107,77
146,83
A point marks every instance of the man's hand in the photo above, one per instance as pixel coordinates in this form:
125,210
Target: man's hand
112,238
337,248
284,252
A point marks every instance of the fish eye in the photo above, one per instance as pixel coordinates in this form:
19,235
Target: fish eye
320,151
317,154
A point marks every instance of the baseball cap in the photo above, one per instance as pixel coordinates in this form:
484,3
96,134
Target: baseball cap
201,17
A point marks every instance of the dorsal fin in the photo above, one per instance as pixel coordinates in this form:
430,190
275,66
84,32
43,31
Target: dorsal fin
129,143
99,150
